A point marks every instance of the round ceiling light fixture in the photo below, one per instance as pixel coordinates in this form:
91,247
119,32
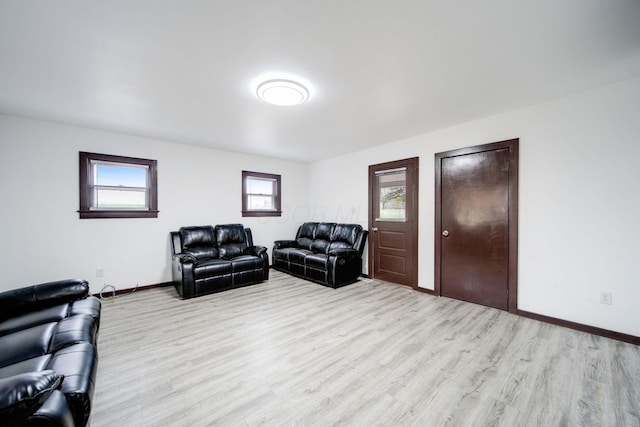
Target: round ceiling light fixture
282,92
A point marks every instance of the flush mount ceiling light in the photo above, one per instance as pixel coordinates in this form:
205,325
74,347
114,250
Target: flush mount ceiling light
282,92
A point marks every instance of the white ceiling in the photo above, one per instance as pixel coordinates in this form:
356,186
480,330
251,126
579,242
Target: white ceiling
378,70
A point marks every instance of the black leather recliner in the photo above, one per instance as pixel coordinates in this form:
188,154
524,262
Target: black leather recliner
48,354
209,259
325,252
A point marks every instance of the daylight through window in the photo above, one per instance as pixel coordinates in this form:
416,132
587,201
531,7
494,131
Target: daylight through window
117,187
260,194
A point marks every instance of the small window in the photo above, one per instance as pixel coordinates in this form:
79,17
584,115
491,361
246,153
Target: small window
392,185
117,187
260,194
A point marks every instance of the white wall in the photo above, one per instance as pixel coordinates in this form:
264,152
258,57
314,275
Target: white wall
579,204
579,200
43,238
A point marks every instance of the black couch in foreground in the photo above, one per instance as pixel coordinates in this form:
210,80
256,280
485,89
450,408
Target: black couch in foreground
48,355
325,252
210,259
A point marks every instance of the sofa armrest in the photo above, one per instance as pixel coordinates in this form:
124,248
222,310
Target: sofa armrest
36,297
344,253
281,244
21,395
255,250
183,258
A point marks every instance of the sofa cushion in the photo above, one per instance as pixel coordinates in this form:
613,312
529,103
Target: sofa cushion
246,263
324,230
197,236
232,250
306,234
202,252
212,267
90,306
230,233
320,246
78,363
30,365
317,261
347,233
81,328
21,395
231,240
25,344
34,318
54,411
322,237
36,297
339,245
297,256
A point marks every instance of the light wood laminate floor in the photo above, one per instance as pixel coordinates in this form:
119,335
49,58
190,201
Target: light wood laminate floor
293,353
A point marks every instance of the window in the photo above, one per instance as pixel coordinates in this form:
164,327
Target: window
392,198
117,187
260,194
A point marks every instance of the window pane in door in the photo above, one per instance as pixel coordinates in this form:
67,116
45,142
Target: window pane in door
392,188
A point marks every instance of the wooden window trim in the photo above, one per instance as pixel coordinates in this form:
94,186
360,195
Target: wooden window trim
86,178
246,212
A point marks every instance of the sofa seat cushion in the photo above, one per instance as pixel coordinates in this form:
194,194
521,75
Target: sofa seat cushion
212,267
283,254
246,262
25,344
320,246
317,261
297,256
81,328
34,318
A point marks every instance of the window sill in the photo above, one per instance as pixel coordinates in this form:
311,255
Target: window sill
117,214
261,213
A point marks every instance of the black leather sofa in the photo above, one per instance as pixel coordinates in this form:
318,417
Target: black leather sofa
325,252
48,355
209,259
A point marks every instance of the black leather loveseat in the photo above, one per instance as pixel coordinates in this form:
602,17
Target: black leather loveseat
325,252
210,259
48,356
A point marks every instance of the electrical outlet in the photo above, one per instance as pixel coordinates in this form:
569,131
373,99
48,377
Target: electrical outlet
606,298
99,272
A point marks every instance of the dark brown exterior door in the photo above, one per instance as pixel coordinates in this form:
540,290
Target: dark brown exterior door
393,219
475,224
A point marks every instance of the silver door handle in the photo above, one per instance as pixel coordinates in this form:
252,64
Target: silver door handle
445,233
374,229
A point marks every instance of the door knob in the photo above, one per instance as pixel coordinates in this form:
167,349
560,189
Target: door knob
374,229
445,233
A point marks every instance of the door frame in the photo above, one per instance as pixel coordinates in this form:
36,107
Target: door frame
414,163
512,277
